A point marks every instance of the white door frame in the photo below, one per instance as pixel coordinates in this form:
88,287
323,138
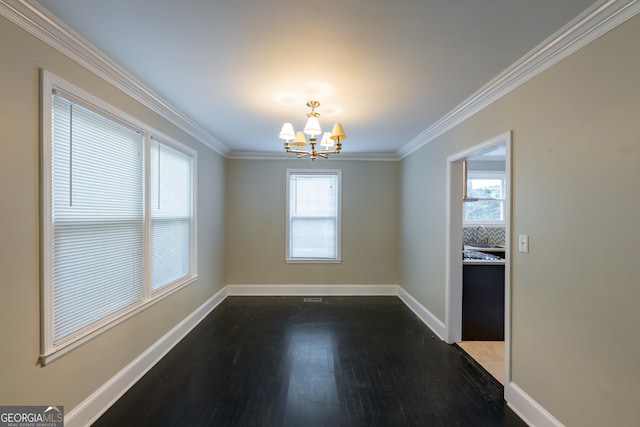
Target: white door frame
453,314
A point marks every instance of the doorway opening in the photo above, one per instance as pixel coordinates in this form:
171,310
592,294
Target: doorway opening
464,229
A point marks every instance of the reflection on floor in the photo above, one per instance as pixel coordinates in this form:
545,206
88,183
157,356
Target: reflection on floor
333,361
489,354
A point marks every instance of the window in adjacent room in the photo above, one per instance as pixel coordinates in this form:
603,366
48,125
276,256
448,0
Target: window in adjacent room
118,223
489,189
313,215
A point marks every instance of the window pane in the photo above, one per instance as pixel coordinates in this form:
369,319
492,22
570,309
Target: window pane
97,165
97,216
485,188
97,271
313,238
484,210
171,214
170,250
313,195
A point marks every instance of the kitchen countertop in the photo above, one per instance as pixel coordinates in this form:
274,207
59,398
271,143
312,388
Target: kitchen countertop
484,249
475,255
482,262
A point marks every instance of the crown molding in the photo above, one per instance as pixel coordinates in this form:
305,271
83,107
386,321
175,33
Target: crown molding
597,20
36,20
260,155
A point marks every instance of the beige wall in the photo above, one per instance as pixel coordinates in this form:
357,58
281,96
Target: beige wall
576,151
256,224
75,376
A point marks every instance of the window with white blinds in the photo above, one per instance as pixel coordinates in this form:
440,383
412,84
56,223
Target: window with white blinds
118,218
170,214
313,215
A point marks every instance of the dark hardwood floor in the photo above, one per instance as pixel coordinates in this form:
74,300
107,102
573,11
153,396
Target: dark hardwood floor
345,361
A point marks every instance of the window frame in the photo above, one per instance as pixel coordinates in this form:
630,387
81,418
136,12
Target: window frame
51,350
288,250
484,174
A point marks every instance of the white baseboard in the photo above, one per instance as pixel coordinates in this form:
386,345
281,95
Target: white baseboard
98,402
318,290
528,409
423,313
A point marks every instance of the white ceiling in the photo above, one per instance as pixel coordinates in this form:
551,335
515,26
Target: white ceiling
387,70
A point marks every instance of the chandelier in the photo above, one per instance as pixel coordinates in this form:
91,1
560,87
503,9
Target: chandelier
330,140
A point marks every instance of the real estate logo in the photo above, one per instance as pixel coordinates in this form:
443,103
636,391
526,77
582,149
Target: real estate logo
32,416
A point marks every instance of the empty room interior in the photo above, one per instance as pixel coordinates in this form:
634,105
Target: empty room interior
472,167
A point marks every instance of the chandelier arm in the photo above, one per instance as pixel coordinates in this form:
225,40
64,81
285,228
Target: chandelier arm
298,152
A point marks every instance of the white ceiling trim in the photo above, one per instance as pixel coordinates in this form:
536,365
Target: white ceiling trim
600,18
588,26
257,155
32,18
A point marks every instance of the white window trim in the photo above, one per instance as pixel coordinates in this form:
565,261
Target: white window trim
50,351
488,175
338,258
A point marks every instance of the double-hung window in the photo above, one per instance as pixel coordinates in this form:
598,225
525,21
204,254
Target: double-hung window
118,223
313,215
488,188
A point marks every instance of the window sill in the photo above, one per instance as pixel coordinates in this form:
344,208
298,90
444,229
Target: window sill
67,347
312,261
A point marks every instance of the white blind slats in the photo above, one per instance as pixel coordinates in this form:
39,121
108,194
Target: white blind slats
97,166
314,195
313,238
97,217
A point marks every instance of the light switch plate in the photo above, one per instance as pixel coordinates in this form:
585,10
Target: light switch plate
523,243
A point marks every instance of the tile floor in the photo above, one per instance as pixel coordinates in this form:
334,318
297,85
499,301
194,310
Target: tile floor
489,354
